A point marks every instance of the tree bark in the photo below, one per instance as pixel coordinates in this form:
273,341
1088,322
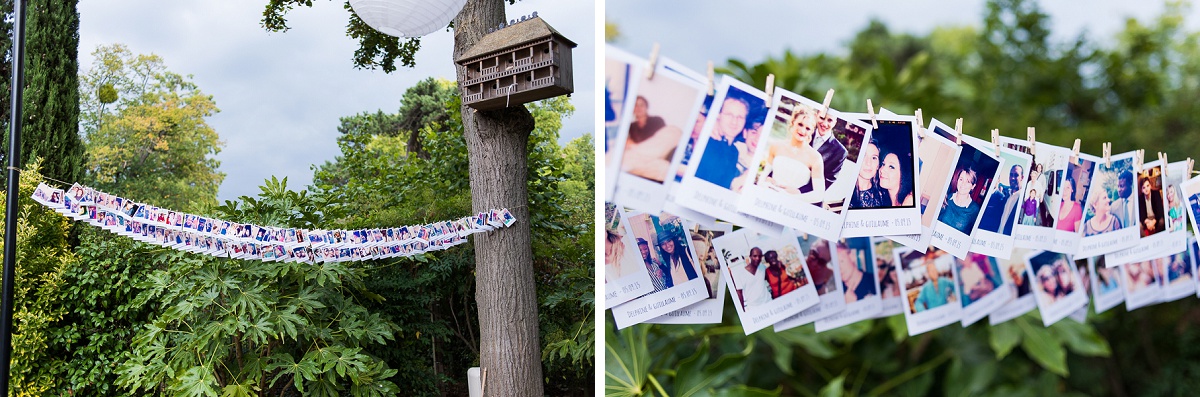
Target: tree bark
505,290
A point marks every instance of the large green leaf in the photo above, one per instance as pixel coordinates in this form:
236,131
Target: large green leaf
627,362
1043,347
1082,339
1004,337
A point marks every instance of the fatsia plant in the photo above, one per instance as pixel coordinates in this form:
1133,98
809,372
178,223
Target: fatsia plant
255,328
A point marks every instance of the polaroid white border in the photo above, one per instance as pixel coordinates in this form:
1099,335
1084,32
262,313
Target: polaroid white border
1113,298
981,308
707,311
890,306
708,198
919,323
656,304
806,217
612,166
1036,237
993,244
643,194
1147,296
920,242
948,238
865,309
866,222
1080,314
1113,241
631,286
779,308
1172,180
1160,244
1052,313
1017,305
831,303
1176,292
1190,184
1064,241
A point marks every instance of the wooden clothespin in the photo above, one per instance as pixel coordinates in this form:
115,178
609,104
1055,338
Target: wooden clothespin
1188,168
958,130
871,111
1139,158
712,86
1075,152
696,228
653,62
828,98
1163,158
996,140
920,124
1107,148
770,90
1031,136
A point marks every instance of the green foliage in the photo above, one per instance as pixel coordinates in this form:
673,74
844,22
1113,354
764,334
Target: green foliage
146,130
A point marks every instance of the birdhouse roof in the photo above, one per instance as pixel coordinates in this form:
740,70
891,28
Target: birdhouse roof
514,35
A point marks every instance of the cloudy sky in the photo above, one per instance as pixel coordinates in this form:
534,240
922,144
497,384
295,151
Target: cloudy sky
717,30
281,94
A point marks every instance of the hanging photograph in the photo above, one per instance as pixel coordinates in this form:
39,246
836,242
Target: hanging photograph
883,201
930,296
823,268
1036,219
937,156
720,164
1180,276
1110,216
974,175
666,252
622,72
664,107
625,274
980,285
1106,284
709,310
993,235
1076,183
764,293
1143,283
1056,284
805,166
680,165
860,287
1152,219
1017,281
889,277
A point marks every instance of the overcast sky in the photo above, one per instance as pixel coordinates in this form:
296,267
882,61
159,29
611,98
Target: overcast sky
281,94
751,30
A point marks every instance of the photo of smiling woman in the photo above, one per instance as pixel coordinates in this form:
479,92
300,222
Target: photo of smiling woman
885,176
792,163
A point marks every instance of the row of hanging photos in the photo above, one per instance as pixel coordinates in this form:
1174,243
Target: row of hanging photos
215,237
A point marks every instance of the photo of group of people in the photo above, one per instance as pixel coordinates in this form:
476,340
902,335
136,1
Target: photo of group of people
625,275
937,157
767,276
1076,184
1056,284
220,238
822,267
710,309
1143,283
664,249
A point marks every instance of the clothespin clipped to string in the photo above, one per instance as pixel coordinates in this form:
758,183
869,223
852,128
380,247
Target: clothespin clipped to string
653,62
1031,136
1163,158
871,111
996,140
712,86
1188,167
920,124
1139,157
1075,152
696,228
1107,148
828,98
958,130
770,89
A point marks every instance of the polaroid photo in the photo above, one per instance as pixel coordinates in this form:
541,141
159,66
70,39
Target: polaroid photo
508,217
1110,221
1080,315
625,274
49,196
980,286
1035,219
1156,240
680,165
1176,203
884,200
721,162
709,310
823,269
993,235
937,156
930,296
1106,284
803,170
1142,283
1190,190
666,252
1056,285
889,279
1017,281
1180,280
1194,255
860,288
765,293
976,171
1075,186
664,107
622,73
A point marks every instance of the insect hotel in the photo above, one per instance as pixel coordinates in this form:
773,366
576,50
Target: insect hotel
522,62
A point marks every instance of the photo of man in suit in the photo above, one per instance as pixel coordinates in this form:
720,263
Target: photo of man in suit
1150,212
1001,210
832,152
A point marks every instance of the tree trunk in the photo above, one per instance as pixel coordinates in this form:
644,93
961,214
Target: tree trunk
505,291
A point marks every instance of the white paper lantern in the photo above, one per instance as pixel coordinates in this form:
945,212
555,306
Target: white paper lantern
407,18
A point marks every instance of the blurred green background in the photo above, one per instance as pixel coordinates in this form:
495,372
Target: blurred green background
1137,88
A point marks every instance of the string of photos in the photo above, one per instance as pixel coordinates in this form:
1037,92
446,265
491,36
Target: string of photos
807,214
220,238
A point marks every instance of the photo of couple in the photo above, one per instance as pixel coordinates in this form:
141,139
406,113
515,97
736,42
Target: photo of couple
1075,186
726,159
618,263
1002,203
1111,207
1053,277
886,172
664,249
761,274
807,151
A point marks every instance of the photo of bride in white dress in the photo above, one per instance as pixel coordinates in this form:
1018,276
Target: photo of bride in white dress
791,163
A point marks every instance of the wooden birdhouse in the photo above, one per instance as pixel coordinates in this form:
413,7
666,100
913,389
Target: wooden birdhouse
522,62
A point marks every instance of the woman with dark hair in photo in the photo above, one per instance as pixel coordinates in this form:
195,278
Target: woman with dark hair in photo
1062,272
1045,276
897,190
960,209
866,188
889,283
1071,211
